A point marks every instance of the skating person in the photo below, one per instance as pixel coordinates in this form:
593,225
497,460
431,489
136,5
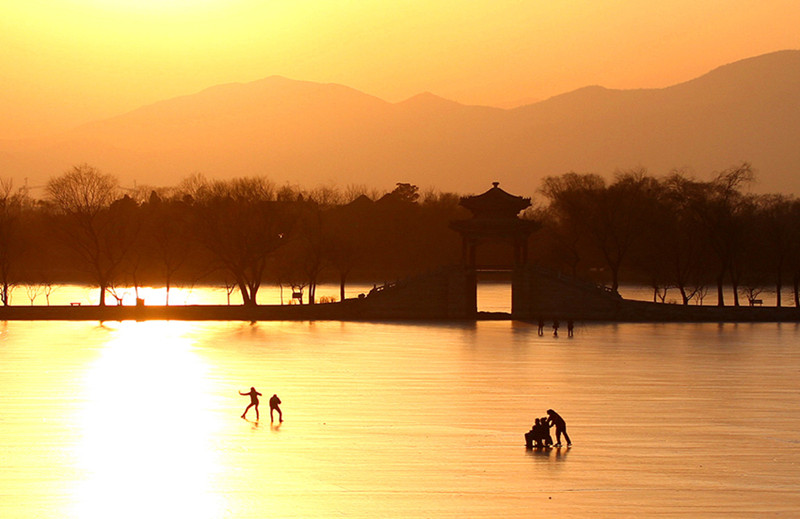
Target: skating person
253,401
274,402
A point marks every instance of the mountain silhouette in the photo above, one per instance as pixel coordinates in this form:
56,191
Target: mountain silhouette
309,133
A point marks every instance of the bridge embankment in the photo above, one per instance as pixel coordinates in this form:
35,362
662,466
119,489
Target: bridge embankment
445,294
542,294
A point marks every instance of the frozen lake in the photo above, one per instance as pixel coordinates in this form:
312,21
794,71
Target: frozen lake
397,420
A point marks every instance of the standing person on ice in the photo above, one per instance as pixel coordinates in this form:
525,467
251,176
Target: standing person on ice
253,401
554,418
274,406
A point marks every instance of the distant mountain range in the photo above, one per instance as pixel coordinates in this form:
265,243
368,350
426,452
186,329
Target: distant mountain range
309,133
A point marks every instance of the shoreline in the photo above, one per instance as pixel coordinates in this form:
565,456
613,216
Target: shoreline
357,310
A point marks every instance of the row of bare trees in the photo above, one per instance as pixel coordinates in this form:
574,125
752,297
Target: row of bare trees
677,232
673,232
241,233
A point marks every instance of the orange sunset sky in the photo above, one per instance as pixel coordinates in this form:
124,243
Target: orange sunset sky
65,62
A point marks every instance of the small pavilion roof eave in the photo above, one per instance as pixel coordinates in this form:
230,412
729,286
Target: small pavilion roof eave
495,203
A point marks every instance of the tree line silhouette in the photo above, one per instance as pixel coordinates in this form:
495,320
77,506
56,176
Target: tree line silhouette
673,232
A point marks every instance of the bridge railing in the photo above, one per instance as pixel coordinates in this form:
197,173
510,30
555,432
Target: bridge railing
577,281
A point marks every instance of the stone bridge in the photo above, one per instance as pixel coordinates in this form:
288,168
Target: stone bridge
450,293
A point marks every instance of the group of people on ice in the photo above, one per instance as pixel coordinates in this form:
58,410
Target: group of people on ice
539,436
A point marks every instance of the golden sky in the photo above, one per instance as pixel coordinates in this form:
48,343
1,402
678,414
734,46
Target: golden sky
64,62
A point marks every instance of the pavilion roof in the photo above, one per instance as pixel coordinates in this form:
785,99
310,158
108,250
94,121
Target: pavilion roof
495,203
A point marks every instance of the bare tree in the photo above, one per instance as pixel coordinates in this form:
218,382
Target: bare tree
794,250
313,247
718,207
684,248
241,227
98,227
166,236
771,239
48,288
613,218
33,290
229,289
12,240
327,195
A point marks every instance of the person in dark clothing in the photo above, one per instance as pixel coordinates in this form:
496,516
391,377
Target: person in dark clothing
570,327
530,436
253,401
554,419
534,436
546,437
555,328
541,326
538,435
274,406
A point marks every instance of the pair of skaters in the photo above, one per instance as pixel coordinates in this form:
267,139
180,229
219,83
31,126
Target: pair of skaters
539,435
274,405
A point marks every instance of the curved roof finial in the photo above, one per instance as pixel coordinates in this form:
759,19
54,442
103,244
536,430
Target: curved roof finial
495,184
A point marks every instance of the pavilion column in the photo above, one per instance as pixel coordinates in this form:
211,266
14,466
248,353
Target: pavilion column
517,252
521,250
472,253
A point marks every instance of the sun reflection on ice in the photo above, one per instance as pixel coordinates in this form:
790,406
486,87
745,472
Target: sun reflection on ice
147,428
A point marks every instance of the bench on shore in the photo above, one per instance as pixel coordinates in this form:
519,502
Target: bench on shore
756,302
